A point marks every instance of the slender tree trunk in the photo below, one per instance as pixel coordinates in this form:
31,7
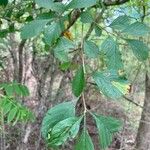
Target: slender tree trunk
143,136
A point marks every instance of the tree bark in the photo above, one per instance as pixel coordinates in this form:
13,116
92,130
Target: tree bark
143,135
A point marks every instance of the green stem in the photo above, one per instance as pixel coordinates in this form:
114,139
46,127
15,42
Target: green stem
3,130
83,65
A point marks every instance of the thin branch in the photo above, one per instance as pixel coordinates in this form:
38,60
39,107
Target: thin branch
126,98
96,21
131,101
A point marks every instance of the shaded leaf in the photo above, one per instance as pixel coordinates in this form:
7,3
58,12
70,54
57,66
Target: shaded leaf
98,31
55,115
139,49
84,142
78,82
63,47
33,28
137,29
111,49
64,130
91,49
86,17
52,33
81,3
106,127
120,22
50,4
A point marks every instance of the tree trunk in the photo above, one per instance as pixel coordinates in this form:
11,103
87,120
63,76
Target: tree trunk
143,136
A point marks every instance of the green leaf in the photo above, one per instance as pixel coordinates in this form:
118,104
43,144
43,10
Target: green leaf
12,114
52,33
110,84
6,108
49,15
139,49
15,88
78,82
64,130
98,31
86,17
14,111
120,22
106,127
25,115
49,4
81,3
111,49
91,49
63,47
137,29
65,66
84,142
55,115
17,118
33,28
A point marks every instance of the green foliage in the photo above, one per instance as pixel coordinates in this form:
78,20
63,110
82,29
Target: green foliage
137,29
81,3
106,126
86,17
78,82
13,111
63,130
84,142
62,49
120,23
98,31
60,124
33,28
56,114
110,84
110,48
91,49
123,23
13,89
50,4
52,32
139,49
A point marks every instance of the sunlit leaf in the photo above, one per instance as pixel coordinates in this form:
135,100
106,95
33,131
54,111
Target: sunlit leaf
110,84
